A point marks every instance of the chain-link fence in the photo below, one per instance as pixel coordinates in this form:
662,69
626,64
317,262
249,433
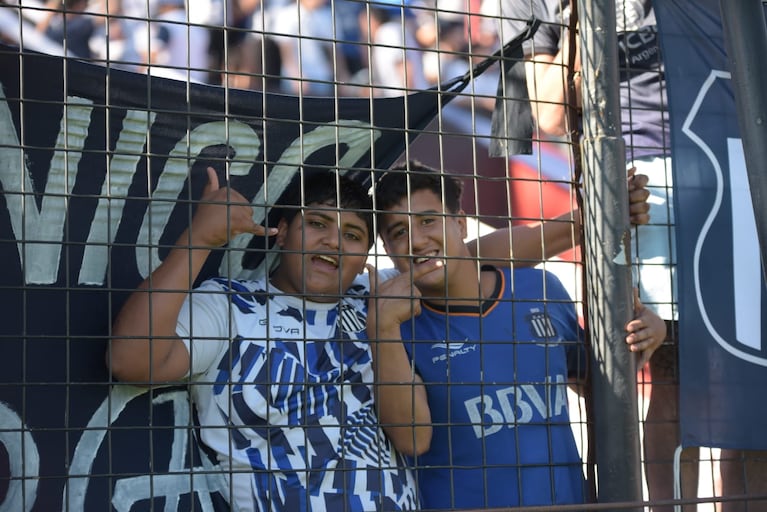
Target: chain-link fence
194,189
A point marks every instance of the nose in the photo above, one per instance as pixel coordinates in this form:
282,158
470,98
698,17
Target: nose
417,239
332,238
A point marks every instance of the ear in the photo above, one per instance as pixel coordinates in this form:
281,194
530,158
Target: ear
282,232
461,220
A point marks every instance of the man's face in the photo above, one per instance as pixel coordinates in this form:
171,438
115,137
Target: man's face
322,251
428,232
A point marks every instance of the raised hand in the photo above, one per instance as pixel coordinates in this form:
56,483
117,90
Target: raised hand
222,214
403,406
395,300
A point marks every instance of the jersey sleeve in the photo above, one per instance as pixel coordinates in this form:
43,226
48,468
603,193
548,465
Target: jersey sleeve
567,324
516,13
203,324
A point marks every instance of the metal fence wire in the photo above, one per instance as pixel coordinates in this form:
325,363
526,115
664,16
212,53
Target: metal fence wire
257,255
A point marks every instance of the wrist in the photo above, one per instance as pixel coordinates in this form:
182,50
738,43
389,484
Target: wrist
191,240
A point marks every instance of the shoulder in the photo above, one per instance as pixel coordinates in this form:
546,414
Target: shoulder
536,283
361,283
360,286
218,292
232,285
548,11
387,273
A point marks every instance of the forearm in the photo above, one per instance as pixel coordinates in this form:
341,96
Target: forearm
548,88
548,110
401,398
528,244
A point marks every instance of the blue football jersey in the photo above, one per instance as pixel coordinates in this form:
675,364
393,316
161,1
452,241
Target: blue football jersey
496,377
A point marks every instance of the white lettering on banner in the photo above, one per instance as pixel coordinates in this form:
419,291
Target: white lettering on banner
747,290
527,399
23,462
176,482
236,134
122,167
39,232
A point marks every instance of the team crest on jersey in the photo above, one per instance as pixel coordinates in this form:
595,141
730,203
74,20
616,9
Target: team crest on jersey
350,319
540,324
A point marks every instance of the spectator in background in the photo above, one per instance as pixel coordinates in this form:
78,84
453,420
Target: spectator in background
447,56
171,46
304,32
255,65
67,22
230,27
346,16
395,62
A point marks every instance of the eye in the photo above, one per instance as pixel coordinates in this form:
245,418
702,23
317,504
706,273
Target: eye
315,223
354,237
398,233
425,221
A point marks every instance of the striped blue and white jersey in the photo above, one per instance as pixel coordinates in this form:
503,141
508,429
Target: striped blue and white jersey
283,390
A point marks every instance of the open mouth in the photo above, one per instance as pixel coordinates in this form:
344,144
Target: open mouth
423,259
327,259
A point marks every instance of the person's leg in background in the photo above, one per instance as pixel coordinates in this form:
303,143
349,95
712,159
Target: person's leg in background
661,431
744,473
655,254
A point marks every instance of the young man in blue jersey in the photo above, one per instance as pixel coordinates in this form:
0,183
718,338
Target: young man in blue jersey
472,378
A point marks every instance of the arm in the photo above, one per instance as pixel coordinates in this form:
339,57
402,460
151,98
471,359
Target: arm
145,347
547,85
403,407
547,89
528,244
537,241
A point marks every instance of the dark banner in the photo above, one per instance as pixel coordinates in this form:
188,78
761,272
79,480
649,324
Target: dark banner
723,353
99,170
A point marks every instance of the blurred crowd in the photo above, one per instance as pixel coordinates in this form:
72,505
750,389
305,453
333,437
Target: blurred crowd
308,47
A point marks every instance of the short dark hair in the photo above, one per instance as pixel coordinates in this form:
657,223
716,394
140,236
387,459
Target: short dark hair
327,187
403,180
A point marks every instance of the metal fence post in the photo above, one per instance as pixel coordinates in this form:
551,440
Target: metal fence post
745,38
608,282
